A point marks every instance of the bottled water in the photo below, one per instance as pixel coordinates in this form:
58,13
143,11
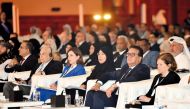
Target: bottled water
157,104
36,95
77,101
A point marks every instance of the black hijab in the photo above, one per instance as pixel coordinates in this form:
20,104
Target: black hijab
107,66
93,58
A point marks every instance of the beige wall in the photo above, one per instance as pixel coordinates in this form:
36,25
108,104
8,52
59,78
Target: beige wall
68,7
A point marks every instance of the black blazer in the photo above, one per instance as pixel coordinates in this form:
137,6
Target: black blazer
63,48
53,67
155,47
4,33
29,64
119,58
84,48
139,72
171,78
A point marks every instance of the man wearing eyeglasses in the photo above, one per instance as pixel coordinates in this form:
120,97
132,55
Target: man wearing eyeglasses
28,63
132,71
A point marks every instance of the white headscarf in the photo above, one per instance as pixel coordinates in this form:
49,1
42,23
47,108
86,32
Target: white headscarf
180,41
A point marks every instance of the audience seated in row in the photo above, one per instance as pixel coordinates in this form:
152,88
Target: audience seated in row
132,71
74,67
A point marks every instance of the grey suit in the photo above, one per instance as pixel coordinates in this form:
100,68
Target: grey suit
150,59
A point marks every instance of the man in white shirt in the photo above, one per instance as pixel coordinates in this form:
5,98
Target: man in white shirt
180,51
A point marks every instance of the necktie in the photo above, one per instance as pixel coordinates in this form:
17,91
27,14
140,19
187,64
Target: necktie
22,61
116,56
125,74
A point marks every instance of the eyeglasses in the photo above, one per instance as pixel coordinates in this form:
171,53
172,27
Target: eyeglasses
21,47
131,54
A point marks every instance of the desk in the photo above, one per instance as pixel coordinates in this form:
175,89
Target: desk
129,91
7,104
49,107
173,105
172,93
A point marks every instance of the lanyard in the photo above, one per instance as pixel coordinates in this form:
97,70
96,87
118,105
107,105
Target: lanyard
157,83
125,74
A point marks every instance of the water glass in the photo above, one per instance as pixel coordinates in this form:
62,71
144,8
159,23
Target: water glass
36,96
67,100
79,101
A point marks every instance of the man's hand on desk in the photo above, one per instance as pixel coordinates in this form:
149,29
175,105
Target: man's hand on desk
110,90
20,81
96,87
53,86
40,73
82,86
144,98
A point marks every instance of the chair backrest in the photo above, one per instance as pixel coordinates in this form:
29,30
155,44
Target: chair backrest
184,80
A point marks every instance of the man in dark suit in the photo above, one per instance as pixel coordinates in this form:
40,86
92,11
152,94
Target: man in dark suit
132,71
28,63
81,43
153,38
113,39
122,48
48,65
5,27
65,38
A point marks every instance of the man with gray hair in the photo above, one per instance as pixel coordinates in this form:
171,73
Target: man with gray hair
122,46
47,66
180,51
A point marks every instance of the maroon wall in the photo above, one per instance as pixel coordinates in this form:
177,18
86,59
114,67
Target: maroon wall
175,13
56,22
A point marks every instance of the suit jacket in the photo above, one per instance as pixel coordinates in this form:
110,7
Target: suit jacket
84,48
29,64
53,67
78,70
63,48
119,59
171,78
150,59
155,47
5,56
3,32
139,72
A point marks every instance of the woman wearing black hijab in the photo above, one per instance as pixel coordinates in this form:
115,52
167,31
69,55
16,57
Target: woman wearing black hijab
93,58
105,64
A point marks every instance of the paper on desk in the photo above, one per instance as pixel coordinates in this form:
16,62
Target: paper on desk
20,75
108,84
74,87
